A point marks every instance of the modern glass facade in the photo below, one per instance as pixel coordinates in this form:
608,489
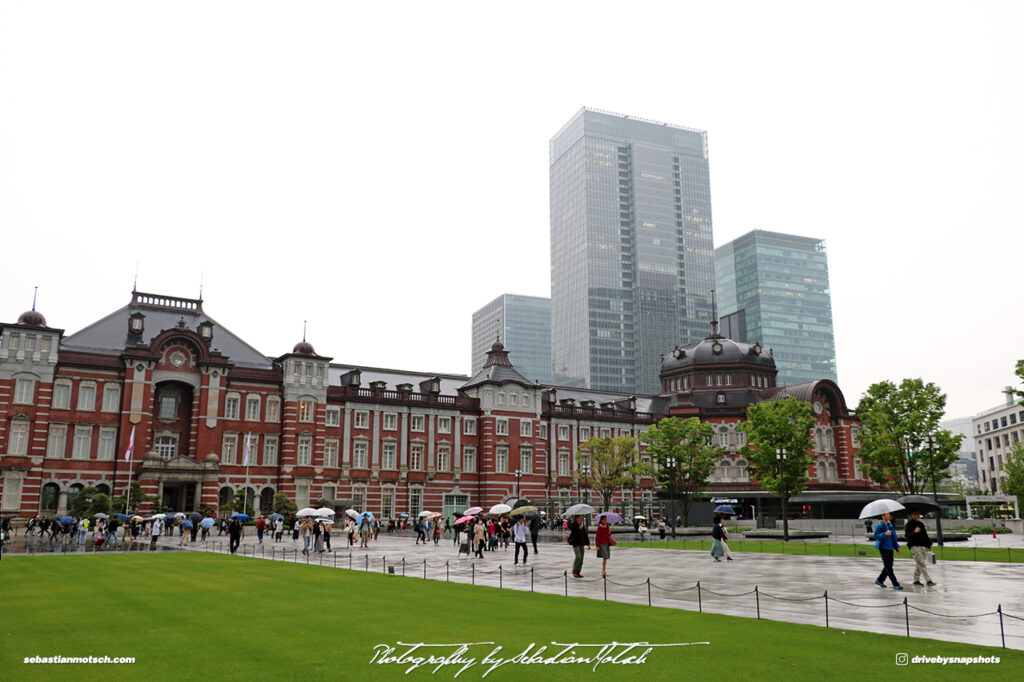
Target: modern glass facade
780,282
524,326
632,262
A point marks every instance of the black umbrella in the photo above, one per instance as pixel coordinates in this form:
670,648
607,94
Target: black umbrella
196,516
522,502
919,502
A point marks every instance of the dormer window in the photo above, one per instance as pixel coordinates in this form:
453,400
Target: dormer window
206,330
136,323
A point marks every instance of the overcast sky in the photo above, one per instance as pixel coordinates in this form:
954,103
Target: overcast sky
381,169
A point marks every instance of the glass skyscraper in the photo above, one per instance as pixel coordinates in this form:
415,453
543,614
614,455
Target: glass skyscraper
780,283
524,326
632,257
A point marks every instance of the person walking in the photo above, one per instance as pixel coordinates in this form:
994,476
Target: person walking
885,541
306,530
112,527
534,529
278,528
519,531
154,532
261,527
479,535
718,537
580,541
919,543
234,535
326,533
642,529
603,540
365,527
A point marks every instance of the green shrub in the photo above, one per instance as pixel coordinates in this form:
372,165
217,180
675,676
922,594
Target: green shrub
982,530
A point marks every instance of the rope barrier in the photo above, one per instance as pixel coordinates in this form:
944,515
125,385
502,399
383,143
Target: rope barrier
665,589
740,594
945,615
865,606
626,585
791,598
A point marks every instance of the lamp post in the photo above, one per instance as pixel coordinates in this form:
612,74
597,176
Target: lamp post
780,455
519,475
935,494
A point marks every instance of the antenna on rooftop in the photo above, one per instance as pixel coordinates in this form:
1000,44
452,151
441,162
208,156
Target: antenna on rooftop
201,286
34,293
303,331
135,284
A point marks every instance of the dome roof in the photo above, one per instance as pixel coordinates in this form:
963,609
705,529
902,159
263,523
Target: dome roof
32,318
304,348
717,350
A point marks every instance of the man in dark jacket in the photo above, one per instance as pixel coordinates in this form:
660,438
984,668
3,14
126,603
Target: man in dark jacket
919,544
235,534
886,542
534,530
580,541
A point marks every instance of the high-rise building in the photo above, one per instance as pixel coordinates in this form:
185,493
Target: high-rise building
632,262
780,282
523,325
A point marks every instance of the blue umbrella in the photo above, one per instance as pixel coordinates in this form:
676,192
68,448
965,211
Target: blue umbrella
66,521
121,517
186,524
725,509
275,516
207,522
240,517
365,514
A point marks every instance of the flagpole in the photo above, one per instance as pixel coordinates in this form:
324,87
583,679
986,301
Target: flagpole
245,494
131,472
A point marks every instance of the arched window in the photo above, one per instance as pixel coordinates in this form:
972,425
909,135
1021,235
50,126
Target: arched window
51,493
266,500
225,497
103,488
73,490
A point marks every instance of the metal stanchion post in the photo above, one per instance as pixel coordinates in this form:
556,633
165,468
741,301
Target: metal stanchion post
1002,633
906,611
648,591
700,606
826,608
757,598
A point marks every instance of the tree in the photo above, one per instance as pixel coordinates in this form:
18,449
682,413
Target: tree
896,423
241,504
80,503
609,464
1014,468
1019,371
137,498
283,504
685,457
99,504
778,448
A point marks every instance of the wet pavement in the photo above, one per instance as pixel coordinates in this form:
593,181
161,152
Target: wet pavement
964,606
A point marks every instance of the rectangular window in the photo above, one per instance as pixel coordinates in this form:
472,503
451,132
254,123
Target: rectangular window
329,492
416,423
514,399
563,463
44,344
606,433
302,495
304,453
306,410
24,391
563,432
469,459
105,447
543,431
270,451
389,452
19,438
86,396
252,408
359,451
387,504
231,405
273,409
111,398
168,408
55,443
526,428
12,341
362,420
359,496
390,421
61,395
584,432
415,501
501,459
501,427
12,493
82,443
333,416
416,456
229,447
444,424
525,460
444,452
331,452
469,426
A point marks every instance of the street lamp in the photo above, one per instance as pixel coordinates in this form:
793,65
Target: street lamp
518,476
935,494
780,455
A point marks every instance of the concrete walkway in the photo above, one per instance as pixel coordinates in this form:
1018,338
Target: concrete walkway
789,588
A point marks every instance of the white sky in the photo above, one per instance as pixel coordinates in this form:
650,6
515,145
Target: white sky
381,169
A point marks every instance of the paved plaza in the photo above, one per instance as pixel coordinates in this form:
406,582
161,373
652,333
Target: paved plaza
961,607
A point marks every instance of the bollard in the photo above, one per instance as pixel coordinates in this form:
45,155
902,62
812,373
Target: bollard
648,591
565,576
321,558
906,610
604,579
367,563
1002,633
403,567
424,569
757,598
383,563
473,578
531,578
446,571
826,608
499,577
700,607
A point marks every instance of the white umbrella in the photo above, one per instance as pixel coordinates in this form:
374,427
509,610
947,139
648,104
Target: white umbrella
579,510
352,513
159,516
639,516
879,507
500,509
425,513
179,515
325,511
308,511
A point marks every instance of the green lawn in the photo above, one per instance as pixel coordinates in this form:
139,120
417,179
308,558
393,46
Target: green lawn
947,553
201,616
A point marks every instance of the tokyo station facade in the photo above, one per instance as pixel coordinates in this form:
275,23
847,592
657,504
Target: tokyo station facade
387,440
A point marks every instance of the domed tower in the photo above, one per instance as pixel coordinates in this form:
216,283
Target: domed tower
28,349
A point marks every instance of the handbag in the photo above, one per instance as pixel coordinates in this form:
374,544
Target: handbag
611,542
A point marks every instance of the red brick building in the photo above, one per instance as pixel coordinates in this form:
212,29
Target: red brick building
198,398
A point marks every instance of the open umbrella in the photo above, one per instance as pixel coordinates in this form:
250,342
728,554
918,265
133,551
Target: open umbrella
725,509
308,511
179,515
324,519
364,515
352,513
879,507
121,517
196,516
100,515
500,509
525,509
472,511
275,516
425,513
325,511
137,518
580,510
159,516
521,502
613,517
463,519
240,517
920,502
207,522
66,521
403,514
639,516
186,524
433,515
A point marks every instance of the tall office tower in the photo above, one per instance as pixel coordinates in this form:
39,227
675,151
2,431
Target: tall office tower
776,285
632,262
523,324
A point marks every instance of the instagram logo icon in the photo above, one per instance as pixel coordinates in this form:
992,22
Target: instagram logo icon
902,659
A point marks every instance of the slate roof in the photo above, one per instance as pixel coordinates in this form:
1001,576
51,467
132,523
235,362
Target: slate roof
109,336
450,383
498,370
